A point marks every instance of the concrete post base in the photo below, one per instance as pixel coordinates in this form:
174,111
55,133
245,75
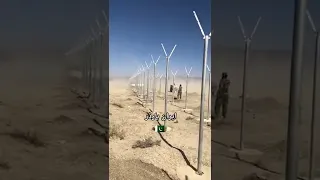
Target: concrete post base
187,173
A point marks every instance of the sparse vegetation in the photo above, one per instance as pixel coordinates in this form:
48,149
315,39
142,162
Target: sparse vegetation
140,103
118,105
116,132
63,119
189,118
146,143
30,137
4,165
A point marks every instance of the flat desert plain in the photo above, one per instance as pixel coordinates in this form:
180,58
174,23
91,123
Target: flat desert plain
265,133
49,130
133,138
45,130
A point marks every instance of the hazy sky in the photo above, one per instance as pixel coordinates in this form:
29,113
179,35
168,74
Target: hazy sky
34,24
268,70
137,29
274,31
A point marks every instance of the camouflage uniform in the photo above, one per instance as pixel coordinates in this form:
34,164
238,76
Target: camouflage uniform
214,88
222,98
180,92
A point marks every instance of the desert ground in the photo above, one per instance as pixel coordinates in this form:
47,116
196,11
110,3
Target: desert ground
130,134
265,132
49,130
46,132
266,118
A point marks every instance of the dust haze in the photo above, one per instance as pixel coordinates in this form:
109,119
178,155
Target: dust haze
44,126
27,72
266,116
268,73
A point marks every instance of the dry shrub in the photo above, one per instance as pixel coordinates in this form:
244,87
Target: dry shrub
189,118
118,105
63,119
4,165
29,137
146,143
116,132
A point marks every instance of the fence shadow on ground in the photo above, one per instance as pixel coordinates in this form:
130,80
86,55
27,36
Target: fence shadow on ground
182,153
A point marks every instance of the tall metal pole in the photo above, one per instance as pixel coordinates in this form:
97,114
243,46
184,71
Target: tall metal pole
244,90
244,80
94,81
83,64
105,56
188,73
314,105
144,83
150,83
166,91
209,93
173,77
160,83
86,65
87,57
166,82
91,66
154,81
185,106
141,81
79,53
292,159
314,101
100,60
200,146
205,55
148,80
137,82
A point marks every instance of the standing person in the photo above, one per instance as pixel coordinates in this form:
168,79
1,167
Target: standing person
174,90
222,98
180,92
214,88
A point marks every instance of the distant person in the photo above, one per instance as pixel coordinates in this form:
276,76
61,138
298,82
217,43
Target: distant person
222,98
174,90
180,92
171,88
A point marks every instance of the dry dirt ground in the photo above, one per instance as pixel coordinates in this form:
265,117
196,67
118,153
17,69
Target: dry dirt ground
48,133
265,130
265,133
44,131
177,147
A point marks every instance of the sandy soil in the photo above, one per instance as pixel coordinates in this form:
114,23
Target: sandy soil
178,147
47,132
265,131
44,128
